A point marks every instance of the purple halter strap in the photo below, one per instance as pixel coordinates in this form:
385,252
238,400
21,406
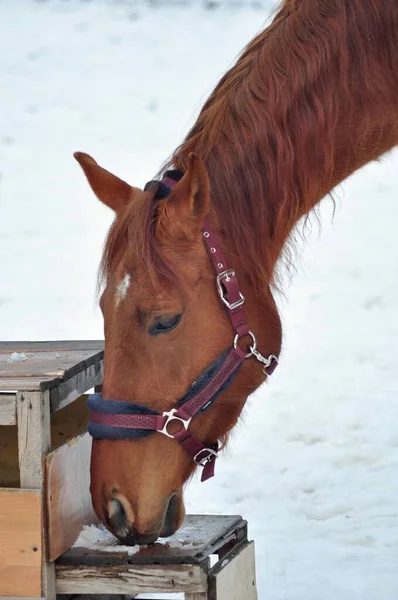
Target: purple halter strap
118,419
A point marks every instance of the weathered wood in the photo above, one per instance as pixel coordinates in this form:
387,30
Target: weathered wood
234,577
34,440
47,364
34,436
199,537
130,579
69,422
67,391
8,409
68,498
50,346
51,364
65,424
21,547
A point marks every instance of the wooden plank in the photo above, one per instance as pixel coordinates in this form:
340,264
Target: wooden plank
34,440
57,364
67,391
198,596
51,346
130,579
8,409
234,577
199,537
68,496
20,543
47,368
27,384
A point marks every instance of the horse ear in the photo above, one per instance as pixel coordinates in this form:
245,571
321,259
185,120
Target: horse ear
108,188
188,203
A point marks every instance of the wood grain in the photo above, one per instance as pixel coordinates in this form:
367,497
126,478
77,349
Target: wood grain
234,577
130,579
8,409
34,441
20,543
68,497
67,391
199,537
49,364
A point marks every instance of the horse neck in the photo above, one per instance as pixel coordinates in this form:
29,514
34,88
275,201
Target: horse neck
311,100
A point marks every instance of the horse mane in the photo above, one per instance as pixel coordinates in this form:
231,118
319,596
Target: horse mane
269,132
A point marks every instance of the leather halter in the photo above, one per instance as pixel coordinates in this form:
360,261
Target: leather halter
112,419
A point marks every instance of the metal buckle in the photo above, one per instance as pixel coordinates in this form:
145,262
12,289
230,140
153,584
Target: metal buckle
227,275
170,417
202,462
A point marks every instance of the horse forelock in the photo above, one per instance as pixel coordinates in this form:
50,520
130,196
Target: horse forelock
132,240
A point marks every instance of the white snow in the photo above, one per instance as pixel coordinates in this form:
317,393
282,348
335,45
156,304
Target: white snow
17,357
313,465
97,537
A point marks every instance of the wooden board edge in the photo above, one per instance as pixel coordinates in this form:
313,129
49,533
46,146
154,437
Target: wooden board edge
67,391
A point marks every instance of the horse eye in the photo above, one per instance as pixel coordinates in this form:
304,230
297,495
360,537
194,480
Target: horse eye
164,324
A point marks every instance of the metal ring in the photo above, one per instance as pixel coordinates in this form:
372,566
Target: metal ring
253,346
206,234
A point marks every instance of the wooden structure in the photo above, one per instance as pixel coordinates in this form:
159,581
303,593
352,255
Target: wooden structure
45,499
181,564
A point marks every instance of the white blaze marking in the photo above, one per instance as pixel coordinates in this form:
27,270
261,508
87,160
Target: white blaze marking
122,288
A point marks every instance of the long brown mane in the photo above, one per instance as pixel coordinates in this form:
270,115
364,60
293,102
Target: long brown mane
267,134
281,128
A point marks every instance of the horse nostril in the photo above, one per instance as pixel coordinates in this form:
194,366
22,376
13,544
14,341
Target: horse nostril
171,518
117,518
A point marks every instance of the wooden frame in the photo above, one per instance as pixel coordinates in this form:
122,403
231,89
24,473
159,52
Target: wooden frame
182,566
53,375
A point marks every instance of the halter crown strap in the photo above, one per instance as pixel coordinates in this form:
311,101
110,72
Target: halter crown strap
118,419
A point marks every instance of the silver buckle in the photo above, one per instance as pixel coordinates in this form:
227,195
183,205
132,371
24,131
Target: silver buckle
202,462
227,275
170,417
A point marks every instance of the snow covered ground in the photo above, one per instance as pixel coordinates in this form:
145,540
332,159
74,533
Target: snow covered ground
314,464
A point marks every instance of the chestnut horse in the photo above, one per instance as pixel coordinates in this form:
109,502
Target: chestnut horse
312,98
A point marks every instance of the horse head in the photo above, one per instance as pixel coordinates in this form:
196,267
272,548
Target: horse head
168,336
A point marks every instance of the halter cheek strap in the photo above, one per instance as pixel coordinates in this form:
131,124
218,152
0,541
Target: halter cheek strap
112,419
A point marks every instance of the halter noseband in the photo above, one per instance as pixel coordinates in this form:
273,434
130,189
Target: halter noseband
115,419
